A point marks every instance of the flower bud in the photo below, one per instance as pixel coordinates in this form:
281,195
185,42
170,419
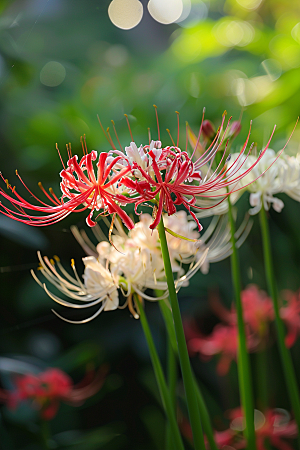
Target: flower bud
208,129
235,128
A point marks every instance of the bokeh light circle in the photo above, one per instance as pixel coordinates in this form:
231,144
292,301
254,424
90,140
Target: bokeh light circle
186,10
52,74
125,14
165,11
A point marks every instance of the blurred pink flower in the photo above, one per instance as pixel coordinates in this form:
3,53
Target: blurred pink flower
258,313
257,309
290,314
222,341
47,389
274,427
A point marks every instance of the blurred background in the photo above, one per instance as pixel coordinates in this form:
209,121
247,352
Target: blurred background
61,64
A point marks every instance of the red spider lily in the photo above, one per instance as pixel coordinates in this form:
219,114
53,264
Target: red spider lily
290,314
47,389
165,176
80,186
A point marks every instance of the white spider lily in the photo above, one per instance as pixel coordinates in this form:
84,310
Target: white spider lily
273,174
292,187
132,272
213,207
217,240
268,178
98,288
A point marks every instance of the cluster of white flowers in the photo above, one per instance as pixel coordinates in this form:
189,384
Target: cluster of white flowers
132,263
273,174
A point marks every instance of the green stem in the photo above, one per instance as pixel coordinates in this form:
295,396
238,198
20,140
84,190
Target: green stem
160,378
172,378
243,362
286,359
186,370
167,315
45,434
261,365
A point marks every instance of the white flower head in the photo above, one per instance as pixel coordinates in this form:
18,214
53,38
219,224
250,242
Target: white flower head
273,174
130,264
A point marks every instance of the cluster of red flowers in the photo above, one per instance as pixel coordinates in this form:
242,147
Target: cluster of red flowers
162,177
258,314
47,389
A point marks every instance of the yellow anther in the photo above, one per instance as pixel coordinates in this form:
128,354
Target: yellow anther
177,112
56,258
52,262
72,263
17,172
112,122
126,115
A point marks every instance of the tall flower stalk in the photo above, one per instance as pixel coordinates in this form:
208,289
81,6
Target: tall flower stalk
285,355
172,381
243,362
207,427
187,374
160,378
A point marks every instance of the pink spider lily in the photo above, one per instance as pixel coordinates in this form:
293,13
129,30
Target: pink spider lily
222,341
290,314
80,186
258,311
222,438
47,389
273,427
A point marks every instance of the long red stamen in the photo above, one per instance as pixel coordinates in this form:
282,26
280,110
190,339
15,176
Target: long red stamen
177,128
186,137
169,133
127,120
83,149
110,139
103,129
60,156
46,193
199,134
113,123
85,146
156,114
